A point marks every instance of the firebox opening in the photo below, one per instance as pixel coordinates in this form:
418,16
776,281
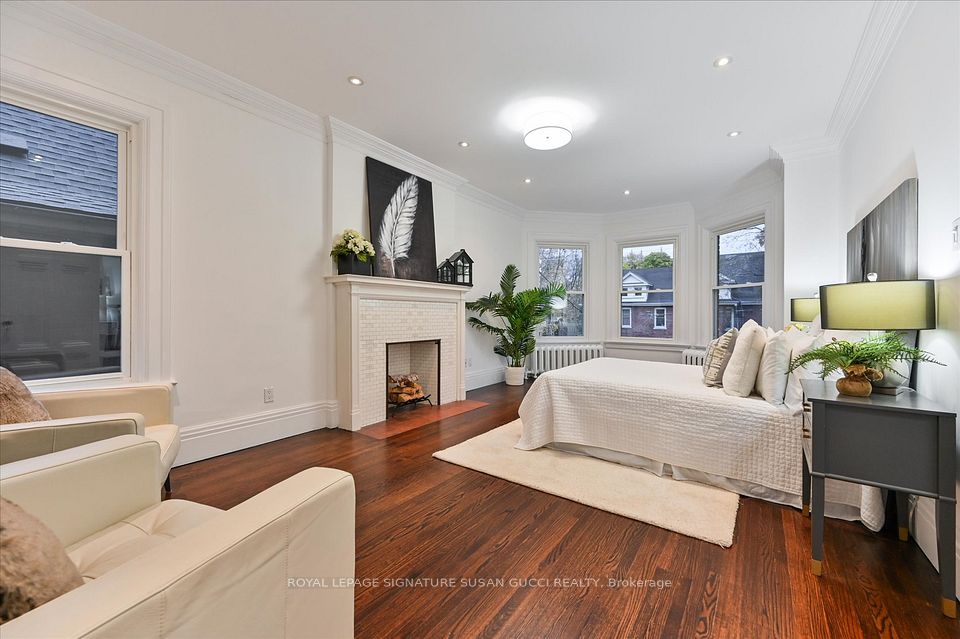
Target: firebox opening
413,374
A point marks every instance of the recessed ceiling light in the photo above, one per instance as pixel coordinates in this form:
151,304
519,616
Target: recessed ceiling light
355,81
463,144
626,192
733,134
722,61
527,180
547,131
37,158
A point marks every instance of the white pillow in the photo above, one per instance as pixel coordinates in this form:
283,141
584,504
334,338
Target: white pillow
801,343
740,376
772,374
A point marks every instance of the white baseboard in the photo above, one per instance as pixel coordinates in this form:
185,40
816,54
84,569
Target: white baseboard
925,532
485,377
228,435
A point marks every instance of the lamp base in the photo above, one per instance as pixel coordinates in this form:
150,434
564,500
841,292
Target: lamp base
890,390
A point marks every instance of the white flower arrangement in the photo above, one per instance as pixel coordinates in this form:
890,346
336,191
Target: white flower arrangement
352,242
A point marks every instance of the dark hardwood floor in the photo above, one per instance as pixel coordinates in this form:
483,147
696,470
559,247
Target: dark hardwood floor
418,517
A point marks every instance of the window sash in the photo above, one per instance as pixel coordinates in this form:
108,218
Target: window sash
122,248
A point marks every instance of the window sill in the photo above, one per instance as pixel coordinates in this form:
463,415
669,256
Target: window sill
645,345
41,386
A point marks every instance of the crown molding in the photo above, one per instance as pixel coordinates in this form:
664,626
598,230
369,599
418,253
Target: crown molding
806,149
483,198
92,32
339,132
880,35
884,26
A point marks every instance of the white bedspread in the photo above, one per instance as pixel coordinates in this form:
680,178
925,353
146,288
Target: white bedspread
664,412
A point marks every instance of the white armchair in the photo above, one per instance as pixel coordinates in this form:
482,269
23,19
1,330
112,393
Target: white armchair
181,569
82,417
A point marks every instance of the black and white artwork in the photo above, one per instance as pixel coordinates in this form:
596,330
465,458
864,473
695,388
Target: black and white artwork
885,241
401,223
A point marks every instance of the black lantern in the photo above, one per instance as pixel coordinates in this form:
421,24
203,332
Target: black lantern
462,268
446,272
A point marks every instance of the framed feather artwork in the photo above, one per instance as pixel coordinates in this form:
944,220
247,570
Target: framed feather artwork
401,223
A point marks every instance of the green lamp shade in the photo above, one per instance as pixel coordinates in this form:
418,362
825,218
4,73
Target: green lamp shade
878,306
804,309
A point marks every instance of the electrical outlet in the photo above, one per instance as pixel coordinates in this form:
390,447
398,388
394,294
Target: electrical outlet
268,395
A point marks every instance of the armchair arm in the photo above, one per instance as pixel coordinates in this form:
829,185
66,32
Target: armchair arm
234,576
82,490
31,439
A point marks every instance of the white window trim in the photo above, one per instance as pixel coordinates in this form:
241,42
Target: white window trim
619,290
629,311
655,323
541,243
146,227
715,234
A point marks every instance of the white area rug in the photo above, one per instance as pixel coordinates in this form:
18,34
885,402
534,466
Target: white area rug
686,507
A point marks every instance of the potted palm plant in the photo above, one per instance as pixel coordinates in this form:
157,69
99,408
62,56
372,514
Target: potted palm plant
863,363
520,313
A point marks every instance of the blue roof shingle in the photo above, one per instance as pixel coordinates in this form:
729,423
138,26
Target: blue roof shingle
76,170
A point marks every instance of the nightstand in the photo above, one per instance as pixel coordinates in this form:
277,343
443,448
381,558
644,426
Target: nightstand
905,443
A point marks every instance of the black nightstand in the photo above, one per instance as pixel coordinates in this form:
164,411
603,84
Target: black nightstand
905,443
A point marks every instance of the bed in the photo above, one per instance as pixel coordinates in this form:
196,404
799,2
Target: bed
661,417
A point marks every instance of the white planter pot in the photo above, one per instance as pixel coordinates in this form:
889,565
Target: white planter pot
515,375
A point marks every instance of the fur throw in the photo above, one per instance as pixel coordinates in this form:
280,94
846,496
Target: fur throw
17,404
34,567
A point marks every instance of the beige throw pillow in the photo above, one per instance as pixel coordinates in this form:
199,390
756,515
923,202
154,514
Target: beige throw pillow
717,357
17,404
740,376
34,567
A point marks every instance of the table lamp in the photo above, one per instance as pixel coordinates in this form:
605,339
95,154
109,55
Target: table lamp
904,305
804,309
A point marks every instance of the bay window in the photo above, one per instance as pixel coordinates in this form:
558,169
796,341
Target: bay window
647,290
738,285
564,264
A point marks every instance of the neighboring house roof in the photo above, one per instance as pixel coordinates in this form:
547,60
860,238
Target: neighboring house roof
77,169
741,268
660,277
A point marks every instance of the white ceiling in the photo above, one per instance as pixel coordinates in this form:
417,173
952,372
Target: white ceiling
437,73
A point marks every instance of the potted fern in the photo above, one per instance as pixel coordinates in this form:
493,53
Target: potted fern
864,363
520,313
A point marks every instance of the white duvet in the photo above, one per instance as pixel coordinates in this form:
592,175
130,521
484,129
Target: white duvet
664,412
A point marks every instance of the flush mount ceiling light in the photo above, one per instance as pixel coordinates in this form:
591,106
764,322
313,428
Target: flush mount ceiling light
463,144
734,134
547,131
527,180
355,81
626,191
722,61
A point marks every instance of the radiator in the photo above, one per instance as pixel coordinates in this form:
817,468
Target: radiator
547,358
693,356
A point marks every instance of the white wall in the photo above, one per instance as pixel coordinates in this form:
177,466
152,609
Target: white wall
243,196
489,230
814,240
492,238
910,127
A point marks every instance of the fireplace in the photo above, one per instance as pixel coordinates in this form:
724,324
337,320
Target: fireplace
377,313
413,373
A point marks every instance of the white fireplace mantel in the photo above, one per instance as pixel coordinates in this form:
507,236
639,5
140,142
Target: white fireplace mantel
374,311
